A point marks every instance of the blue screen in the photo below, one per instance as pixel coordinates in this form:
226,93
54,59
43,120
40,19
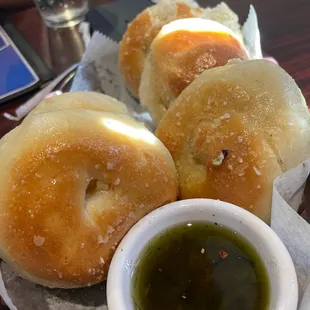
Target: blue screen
15,72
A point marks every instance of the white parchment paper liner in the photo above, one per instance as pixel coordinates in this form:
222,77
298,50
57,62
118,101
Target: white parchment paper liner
98,71
293,230
24,295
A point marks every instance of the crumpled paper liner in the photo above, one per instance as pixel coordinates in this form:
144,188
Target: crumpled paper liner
24,295
98,71
293,230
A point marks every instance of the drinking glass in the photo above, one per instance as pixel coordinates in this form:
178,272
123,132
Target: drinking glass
62,13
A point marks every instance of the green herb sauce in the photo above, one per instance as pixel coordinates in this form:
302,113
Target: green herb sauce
197,266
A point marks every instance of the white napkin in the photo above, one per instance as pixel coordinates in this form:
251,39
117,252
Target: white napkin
293,230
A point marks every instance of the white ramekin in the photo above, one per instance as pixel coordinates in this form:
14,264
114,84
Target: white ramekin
281,271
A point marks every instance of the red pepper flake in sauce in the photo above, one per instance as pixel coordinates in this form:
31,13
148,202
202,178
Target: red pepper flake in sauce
223,254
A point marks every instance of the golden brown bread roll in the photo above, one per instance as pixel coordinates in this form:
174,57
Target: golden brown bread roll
234,130
143,29
75,100
180,53
73,182
81,100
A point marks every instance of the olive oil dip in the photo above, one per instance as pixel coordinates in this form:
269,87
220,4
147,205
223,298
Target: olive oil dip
197,266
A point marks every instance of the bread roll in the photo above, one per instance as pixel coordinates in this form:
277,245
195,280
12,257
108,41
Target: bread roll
224,15
234,130
140,33
180,53
73,182
81,100
74,100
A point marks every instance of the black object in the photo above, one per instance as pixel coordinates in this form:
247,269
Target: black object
36,63
111,19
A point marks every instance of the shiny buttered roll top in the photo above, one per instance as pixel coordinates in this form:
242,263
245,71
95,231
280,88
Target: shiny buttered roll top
233,130
73,182
141,32
183,50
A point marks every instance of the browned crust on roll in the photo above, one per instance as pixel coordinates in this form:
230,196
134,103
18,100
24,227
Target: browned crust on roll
244,110
184,11
72,185
182,56
138,38
178,56
134,47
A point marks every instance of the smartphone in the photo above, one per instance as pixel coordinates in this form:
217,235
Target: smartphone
16,74
21,69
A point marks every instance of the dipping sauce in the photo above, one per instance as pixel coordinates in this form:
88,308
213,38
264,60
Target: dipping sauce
200,266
